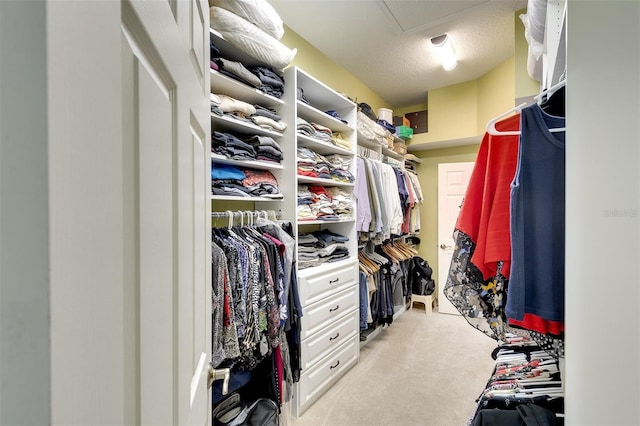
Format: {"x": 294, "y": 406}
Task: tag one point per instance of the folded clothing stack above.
{"x": 313, "y": 130}
{"x": 237, "y": 71}
{"x": 339, "y": 140}
{"x": 316, "y": 202}
{"x": 238, "y": 147}
{"x": 231, "y": 146}
{"x": 334, "y": 166}
{"x": 239, "y": 110}
{"x": 325, "y": 246}
{"x": 271, "y": 82}
{"x": 267, "y": 149}
{"x": 322, "y": 132}
{"x": 233, "y": 181}
{"x": 304, "y": 127}
{"x": 263, "y": 77}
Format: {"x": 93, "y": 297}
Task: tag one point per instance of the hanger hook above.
{"x": 230, "y": 213}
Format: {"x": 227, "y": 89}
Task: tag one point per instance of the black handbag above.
{"x": 421, "y": 281}
{"x": 233, "y": 412}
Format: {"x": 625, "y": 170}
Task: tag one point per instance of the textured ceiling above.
{"x": 386, "y": 43}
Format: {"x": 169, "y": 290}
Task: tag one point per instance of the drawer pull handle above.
{"x": 335, "y": 365}
{"x": 334, "y": 309}
{"x": 334, "y": 281}
{"x": 335, "y": 337}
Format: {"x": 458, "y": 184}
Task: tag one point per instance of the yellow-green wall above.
{"x": 452, "y": 113}
{"x": 462, "y": 110}
{"x": 496, "y": 93}
{"x": 428, "y": 176}
{"x": 318, "y": 65}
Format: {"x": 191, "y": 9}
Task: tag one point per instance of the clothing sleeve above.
{"x": 394, "y": 209}
{"x": 361, "y": 193}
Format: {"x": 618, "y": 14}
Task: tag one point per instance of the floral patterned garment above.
{"x": 482, "y": 302}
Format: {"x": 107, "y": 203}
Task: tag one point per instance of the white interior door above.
{"x": 167, "y": 173}
{"x": 453, "y": 179}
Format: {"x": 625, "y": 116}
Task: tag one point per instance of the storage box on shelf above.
{"x": 401, "y": 121}
{"x": 328, "y": 292}
{"x": 404, "y": 132}
{"x": 418, "y": 120}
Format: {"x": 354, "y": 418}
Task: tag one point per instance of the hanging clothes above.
{"x": 536, "y": 288}
{"x": 384, "y": 283}
{"x": 361, "y": 194}
{"x": 387, "y": 198}
{"x": 480, "y": 266}
{"x": 414, "y": 215}
{"x": 525, "y": 387}
{"x": 480, "y": 283}
{"x": 256, "y": 307}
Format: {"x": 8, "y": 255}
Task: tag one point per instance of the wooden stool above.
{"x": 426, "y": 300}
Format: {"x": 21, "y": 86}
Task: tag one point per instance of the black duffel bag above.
{"x": 421, "y": 281}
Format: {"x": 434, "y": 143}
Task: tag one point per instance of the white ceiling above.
{"x": 386, "y": 43}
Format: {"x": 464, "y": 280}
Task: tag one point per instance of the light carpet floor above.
{"x": 422, "y": 370}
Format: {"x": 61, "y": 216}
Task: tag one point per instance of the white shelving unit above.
{"x": 321, "y": 181}
{"x": 259, "y": 165}
{"x": 221, "y": 84}
{"x": 329, "y": 292}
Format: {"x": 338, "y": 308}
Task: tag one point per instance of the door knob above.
{"x": 444, "y": 246}
{"x": 219, "y": 374}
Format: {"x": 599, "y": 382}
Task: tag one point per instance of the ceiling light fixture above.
{"x": 446, "y": 52}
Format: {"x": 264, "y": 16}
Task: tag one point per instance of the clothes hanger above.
{"x": 411, "y": 251}
{"x": 365, "y": 265}
{"x": 555, "y": 103}
{"x": 374, "y": 256}
{"x": 491, "y": 125}
{"x": 403, "y": 248}
{"x": 549, "y": 91}
{"x": 552, "y": 100}
{"x": 364, "y": 258}
{"x": 234, "y": 229}
{"x": 250, "y": 230}
{"x": 223, "y": 233}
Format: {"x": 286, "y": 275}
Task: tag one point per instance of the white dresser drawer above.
{"x": 321, "y": 314}
{"x": 322, "y": 343}
{"x": 315, "y": 381}
{"x": 314, "y": 284}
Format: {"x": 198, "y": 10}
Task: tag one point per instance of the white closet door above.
{"x": 167, "y": 151}
{"x": 128, "y": 178}
{"x": 453, "y": 179}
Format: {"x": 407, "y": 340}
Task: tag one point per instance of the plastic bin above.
{"x": 404, "y": 132}
{"x": 386, "y": 115}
